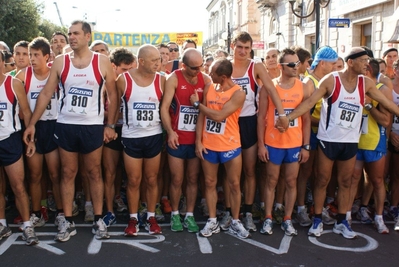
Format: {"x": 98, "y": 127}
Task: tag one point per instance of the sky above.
{"x": 128, "y": 16}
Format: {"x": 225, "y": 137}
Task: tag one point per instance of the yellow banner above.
{"x": 138, "y": 39}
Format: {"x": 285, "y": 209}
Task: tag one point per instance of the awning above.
{"x": 395, "y": 35}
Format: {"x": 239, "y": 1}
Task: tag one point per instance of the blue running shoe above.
{"x": 109, "y": 219}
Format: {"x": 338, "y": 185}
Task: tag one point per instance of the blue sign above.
{"x": 339, "y": 23}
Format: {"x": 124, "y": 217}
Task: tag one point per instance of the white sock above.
{"x": 176, "y": 212}
{"x": 301, "y": 208}
{"x": 234, "y": 221}
{"x": 133, "y": 215}
{"x": 278, "y": 206}
{"x": 88, "y": 203}
{"x": 188, "y": 214}
{"x": 150, "y": 214}
{"x": 26, "y": 224}
{"x": 348, "y": 215}
{"x": 262, "y": 204}
{"x": 3, "y": 222}
{"x": 377, "y": 217}
{"x": 212, "y": 220}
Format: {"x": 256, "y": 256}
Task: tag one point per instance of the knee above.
{"x": 321, "y": 182}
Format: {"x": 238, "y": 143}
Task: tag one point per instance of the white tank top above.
{"x": 141, "y": 108}
{"x": 9, "y": 109}
{"x": 33, "y": 86}
{"x": 341, "y": 113}
{"x": 82, "y": 99}
{"x": 250, "y": 86}
{"x": 395, "y": 123}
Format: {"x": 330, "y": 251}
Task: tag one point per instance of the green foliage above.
{"x": 21, "y": 20}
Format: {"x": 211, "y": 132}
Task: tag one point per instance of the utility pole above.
{"x": 59, "y": 14}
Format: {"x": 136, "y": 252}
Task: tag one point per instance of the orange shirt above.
{"x": 292, "y": 137}
{"x": 225, "y": 135}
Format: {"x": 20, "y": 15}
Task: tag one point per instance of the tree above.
{"x": 19, "y": 20}
{"x": 47, "y": 28}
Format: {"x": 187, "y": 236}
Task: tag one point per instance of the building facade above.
{"x": 343, "y": 24}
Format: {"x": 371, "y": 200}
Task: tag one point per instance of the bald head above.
{"x": 191, "y": 55}
{"x": 146, "y": 50}
{"x": 355, "y": 53}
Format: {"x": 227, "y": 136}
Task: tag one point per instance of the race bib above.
{"x": 144, "y": 114}
{"x": 187, "y": 118}
{"x": 395, "y": 123}
{"x": 3, "y": 115}
{"x": 292, "y": 124}
{"x": 365, "y": 124}
{"x": 215, "y": 127}
{"x": 78, "y": 100}
{"x": 347, "y": 115}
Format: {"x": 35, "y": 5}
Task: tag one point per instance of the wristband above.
{"x": 112, "y": 126}
{"x": 282, "y": 115}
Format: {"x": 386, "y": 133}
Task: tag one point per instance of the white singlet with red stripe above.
{"x": 33, "y": 86}
{"x": 341, "y": 113}
{"x": 82, "y": 99}
{"x": 141, "y": 108}
{"x": 9, "y": 109}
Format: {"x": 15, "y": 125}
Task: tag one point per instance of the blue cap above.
{"x": 325, "y": 53}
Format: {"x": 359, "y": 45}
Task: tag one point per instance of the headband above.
{"x": 356, "y": 55}
{"x": 389, "y": 50}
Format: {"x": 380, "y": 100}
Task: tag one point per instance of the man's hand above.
{"x": 303, "y": 156}
{"x": 263, "y": 154}
{"x": 109, "y": 135}
{"x": 30, "y": 149}
{"x": 282, "y": 124}
{"x": 199, "y": 150}
{"x": 29, "y": 135}
{"x": 194, "y": 98}
{"x": 173, "y": 140}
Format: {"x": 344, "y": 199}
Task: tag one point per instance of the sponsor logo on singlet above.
{"x": 186, "y": 109}
{"x": 139, "y": 105}
{"x": 3, "y": 106}
{"x": 348, "y": 106}
{"x": 241, "y": 81}
{"x": 81, "y": 91}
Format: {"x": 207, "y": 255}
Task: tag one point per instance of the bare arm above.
{"x": 306, "y": 124}
{"x": 261, "y": 126}
{"x": 379, "y": 113}
{"x": 170, "y": 89}
{"x": 375, "y": 94}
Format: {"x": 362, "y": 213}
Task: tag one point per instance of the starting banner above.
{"x": 138, "y": 39}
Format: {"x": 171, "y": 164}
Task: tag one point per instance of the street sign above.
{"x": 339, "y": 23}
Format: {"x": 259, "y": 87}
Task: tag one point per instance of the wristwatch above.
{"x": 196, "y": 104}
{"x": 368, "y": 106}
{"x": 306, "y": 147}
{"x": 112, "y": 126}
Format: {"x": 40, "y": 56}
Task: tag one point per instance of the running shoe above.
{"x": 344, "y": 229}
{"x": 51, "y": 202}
{"x": 325, "y": 215}
{"x": 190, "y": 224}
{"x": 288, "y": 228}
{"x": 99, "y": 229}
{"x": 267, "y": 227}
{"x": 5, "y": 231}
{"x": 75, "y": 209}
{"x": 183, "y": 206}
{"x": 225, "y": 221}
{"x": 132, "y": 227}
{"x": 80, "y": 200}
{"x": 303, "y": 218}
{"x": 109, "y": 219}
{"x": 256, "y": 211}
{"x": 317, "y": 227}
{"x": 89, "y": 213}
{"x": 18, "y": 219}
{"x": 158, "y": 213}
{"x": 238, "y": 229}
{"x": 210, "y": 228}
{"x": 278, "y": 215}
{"x": 204, "y": 209}
{"x": 44, "y": 212}
{"x": 119, "y": 204}
{"x": 363, "y": 215}
{"x": 152, "y": 226}
{"x": 36, "y": 221}
{"x": 175, "y": 223}
{"x": 165, "y": 205}
{"x": 380, "y": 225}
{"x": 59, "y": 218}
{"x": 248, "y": 222}
{"x": 332, "y": 209}
{"x": 29, "y": 236}
{"x": 65, "y": 230}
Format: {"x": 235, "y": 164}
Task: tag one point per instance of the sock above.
{"x": 26, "y": 224}
{"x": 68, "y": 218}
{"x": 88, "y": 203}
{"x": 300, "y": 208}
{"x": 262, "y": 205}
{"x": 97, "y": 217}
{"x": 341, "y": 217}
{"x": 212, "y": 220}
{"x": 37, "y": 213}
{"x": 269, "y": 216}
{"x": 176, "y": 212}
{"x": 287, "y": 218}
{"x": 234, "y": 221}
{"x": 188, "y": 214}
{"x": 329, "y": 200}
{"x": 348, "y": 215}
{"x": 133, "y": 215}
{"x": 278, "y": 206}
{"x": 318, "y": 216}
{"x": 247, "y": 208}
{"x": 150, "y": 214}
{"x": 3, "y": 222}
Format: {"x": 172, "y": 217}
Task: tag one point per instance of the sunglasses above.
{"x": 173, "y": 49}
{"x": 12, "y": 64}
{"x": 292, "y": 64}
{"x": 194, "y": 68}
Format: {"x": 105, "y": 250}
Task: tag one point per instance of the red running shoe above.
{"x": 152, "y": 226}
{"x": 43, "y": 211}
{"x": 166, "y": 205}
{"x": 132, "y": 227}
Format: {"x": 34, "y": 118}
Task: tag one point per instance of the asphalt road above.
{"x": 188, "y": 249}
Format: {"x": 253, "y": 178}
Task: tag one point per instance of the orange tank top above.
{"x": 290, "y": 98}
{"x": 225, "y": 135}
